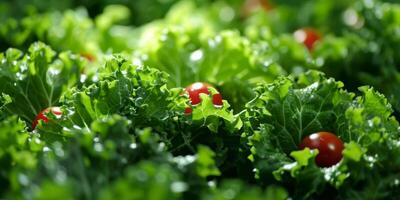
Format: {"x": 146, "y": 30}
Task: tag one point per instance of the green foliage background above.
{"x": 117, "y": 69}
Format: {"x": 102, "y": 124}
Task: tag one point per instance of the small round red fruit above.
{"x": 217, "y": 100}
{"x": 307, "y": 36}
{"x": 188, "y": 110}
{"x": 194, "y": 90}
{"x": 330, "y": 148}
{"x": 42, "y": 115}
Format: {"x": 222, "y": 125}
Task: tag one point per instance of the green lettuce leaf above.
{"x": 109, "y": 156}
{"x": 141, "y": 95}
{"x": 137, "y": 92}
{"x": 286, "y": 111}
{"x": 88, "y": 160}
{"x": 18, "y": 154}
{"x": 36, "y": 80}
{"x": 226, "y": 60}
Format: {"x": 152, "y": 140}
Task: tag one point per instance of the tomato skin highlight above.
{"x": 194, "y": 90}
{"x": 330, "y": 148}
{"x": 42, "y": 115}
{"x": 307, "y": 36}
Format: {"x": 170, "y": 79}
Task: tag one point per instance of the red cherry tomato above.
{"x": 217, "y": 100}
{"x": 42, "y": 115}
{"x": 330, "y": 147}
{"x": 307, "y": 36}
{"x": 194, "y": 90}
{"x": 188, "y": 110}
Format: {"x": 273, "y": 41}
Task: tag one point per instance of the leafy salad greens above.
{"x": 96, "y": 99}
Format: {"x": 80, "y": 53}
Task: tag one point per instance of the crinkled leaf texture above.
{"x": 212, "y": 116}
{"x": 142, "y": 95}
{"x": 138, "y": 92}
{"x": 36, "y": 80}
{"x": 19, "y": 152}
{"x": 286, "y": 111}
{"x": 227, "y": 60}
{"x": 109, "y": 156}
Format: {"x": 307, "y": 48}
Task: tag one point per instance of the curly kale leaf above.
{"x": 289, "y": 109}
